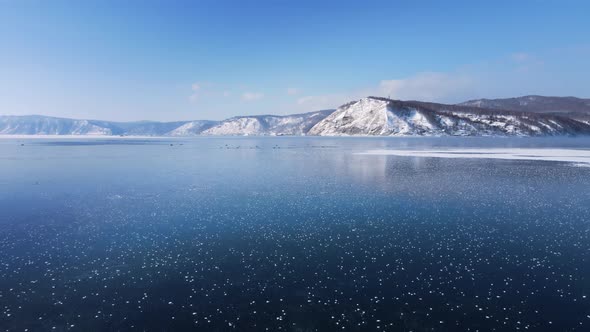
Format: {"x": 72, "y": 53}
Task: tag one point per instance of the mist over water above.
{"x": 290, "y": 234}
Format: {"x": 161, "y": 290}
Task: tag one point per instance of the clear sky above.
{"x": 181, "y": 60}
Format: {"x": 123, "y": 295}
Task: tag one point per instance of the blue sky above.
{"x": 179, "y": 60}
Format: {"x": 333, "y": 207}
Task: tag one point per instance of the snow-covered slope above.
{"x": 372, "y": 116}
{"x": 297, "y": 124}
{"x": 192, "y": 128}
{"x": 385, "y": 117}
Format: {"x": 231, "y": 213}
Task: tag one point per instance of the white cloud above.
{"x": 252, "y": 96}
{"x": 307, "y": 99}
{"x": 428, "y": 86}
{"x": 526, "y": 62}
{"x": 518, "y": 74}
{"x": 435, "y": 87}
{"x": 195, "y": 87}
{"x": 520, "y": 56}
{"x": 205, "y": 90}
{"x": 327, "y": 101}
{"x": 512, "y": 74}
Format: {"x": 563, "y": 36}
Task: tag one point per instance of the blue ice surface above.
{"x": 291, "y": 234}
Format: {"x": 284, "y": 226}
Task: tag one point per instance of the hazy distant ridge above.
{"x": 534, "y": 103}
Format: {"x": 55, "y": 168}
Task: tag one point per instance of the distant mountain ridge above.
{"x": 296, "y": 124}
{"x": 371, "y": 116}
{"x": 535, "y": 104}
{"x": 46, "y": 125}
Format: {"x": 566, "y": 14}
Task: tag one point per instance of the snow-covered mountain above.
{"x": 297, "y": 124}
{"x": 368, "y": 116}
{"x": 385, "y": 117}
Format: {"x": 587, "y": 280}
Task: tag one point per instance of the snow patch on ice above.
{"x": 578, "y": 157}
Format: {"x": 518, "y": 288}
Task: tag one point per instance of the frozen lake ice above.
{"x": 294, "y": 234}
